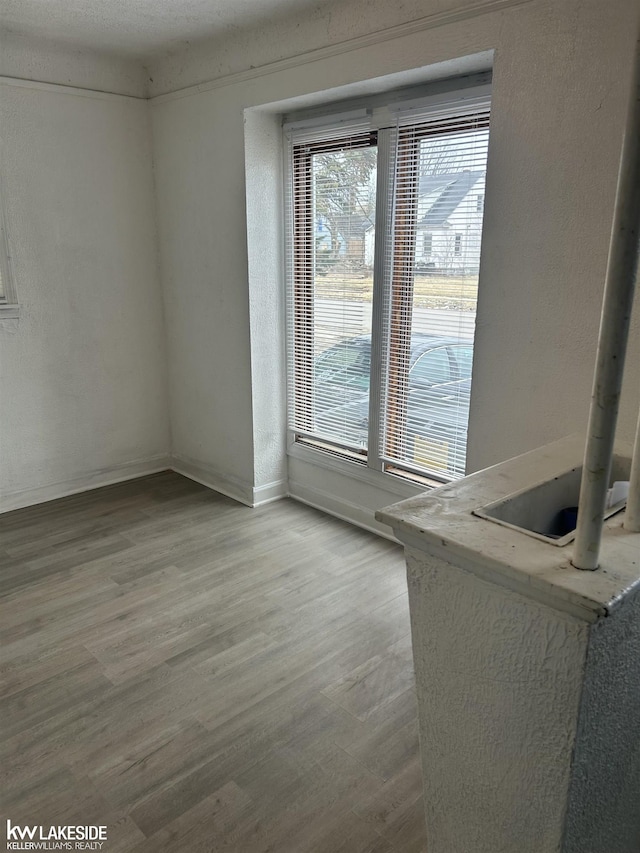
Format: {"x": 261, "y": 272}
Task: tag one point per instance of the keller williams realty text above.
{"x": 55, "y": 837}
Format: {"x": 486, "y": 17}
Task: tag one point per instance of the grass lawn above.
{"x": 429, "y": 291}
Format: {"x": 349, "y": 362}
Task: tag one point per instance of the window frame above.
{"x": 372, "y": 466}
{"x": 9, "y": 306}
{"x": 301, "y": 171}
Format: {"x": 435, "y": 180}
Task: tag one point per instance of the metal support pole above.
{"x": 612, "y": 342}
{"x": 632, "y": 515}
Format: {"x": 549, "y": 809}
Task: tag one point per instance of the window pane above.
{"x": 434, "y": 281}
{"x": 429, "y": 225}
{"x": 430, "y": 368}
{"x": 464, "y": 360}
{"x": 333, "y": 259}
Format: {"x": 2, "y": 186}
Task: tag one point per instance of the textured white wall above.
{"x": 560, "y": 87}
{"x": 527, "y": 672}
{"x": 199, "y": 171}
{"x": 265, "y": 244}
{"x": 280, "y": 37}
{"x": 83, "y": 370}
{"x": 499, "y": 680}
{"x": 45, "y": 61}
{"x": 603, "y": 813}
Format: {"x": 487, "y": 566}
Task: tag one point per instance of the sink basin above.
{"x": 547, "y": 511}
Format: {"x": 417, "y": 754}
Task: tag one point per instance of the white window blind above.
{"x": 431, "y": 296}
{"x": 383, "y": 257}
{"x": 7, "y": 293}
{"x": 330, "y": 266}
{"x": 3, "y": 261}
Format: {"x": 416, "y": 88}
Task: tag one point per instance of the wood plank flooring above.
{"x": 200, "y": 676}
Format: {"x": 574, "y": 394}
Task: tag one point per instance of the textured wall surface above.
{"x": 265, "y": 244}
{"x": 559, "y": 68}
{"x": 83, "y": 370}
{"x": 561, "y": 86}
{"x": 47, "y": 61}
{"x": 499, "y": 679}
{"x": 199, "y": 171}
{"x": 604, "y": 803}
{"x": 281, "y": 36}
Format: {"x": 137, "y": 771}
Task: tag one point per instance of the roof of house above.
{"x": 453, "y": 187}
{"x": 449, "y": 190}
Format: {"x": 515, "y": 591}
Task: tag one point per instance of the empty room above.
{"x": 312, "y": 313}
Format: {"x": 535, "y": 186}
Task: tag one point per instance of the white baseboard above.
{"x": 241, "y": 492}
{"x": 212, "y": 479}
{"x": 270, "y": 492}
{"x": 235, "y": 489}
{"x": 354, "y": 514}
{"x": 93, "y": 480}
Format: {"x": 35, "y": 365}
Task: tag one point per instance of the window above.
{"x": 333, "y": 213}
{"x": 463, "y": 356}
{"x": 431, "y": 368}
{"x": 382, "y": 265}
{"x": 8, "y": 306}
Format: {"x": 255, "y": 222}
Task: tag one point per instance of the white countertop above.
{"x": 441, "y": 522}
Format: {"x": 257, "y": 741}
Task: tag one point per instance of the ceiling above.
{"x": 141, "y": 28}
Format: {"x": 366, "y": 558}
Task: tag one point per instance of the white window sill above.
{"x": 9, "y": 311}
{"x": 403, "y": 488}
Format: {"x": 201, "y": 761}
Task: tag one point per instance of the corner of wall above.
{"x": 264, "y": 188}
{"x": 42, "y": 61}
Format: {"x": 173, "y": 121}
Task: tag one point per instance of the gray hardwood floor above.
{"x": 200, "y": 676}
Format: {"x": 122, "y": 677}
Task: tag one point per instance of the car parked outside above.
{"x": 437, "y": 412}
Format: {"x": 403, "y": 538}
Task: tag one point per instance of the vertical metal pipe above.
{"x": 612, "y": 343}
{"x": 632, "y": 515}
